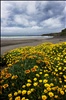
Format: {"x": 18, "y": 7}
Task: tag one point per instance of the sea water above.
{"x": 24, "y": 37}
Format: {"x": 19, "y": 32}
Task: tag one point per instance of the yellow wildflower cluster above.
{"x": 34, "y": 73}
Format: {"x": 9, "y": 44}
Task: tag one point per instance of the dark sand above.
{"x": 7, "y": 45}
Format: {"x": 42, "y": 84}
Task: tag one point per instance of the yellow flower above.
{"x": 56, "y": 74}
{"x": 17, "y": 98}
{"x": 28, "y": 92}
{"x": 23, "y": 92}
{"x": 65, "y": 68}
{"x": 60, "y": 73}
{"x": 19, "y": 91}
{"x": 28, "y": 84}
{"x": 56, "y": 96}
{"x": 9, "y": 65}
{"x": 51, "y": 94}
{"x": 45, "y": 91}
{"x": 59, "y": 89}
{"x": 64, "y": 80}
{"x": 35, "y": 83}
{"x": 64, "y": 86}
{"x": 64, "y": 61}
{"x": 23, "y": 98}
{"x": 45, "y": 81}
{"x": 23, "y": 86}
{"x": 15, "y": 93}
{"x": 40, "y": 81}
{"x": 56, "y": 70}
{"x": 62, "y": 92}
{"x": 44, "y": 97}
{"x": 35, "y": 66}
{"x": 64, "y": 76}
{"x": 51, "y": 84}
{"x": 46, "y": 75}
{"x": 40, "y": 72}
{"x": 48, "y": 89}
{"x": 37, "y": 75}
{"x": 5, "y": 86}
{"x": 8, "y": 75}
{"x": 32, "y": 89}
{"x": 14, "y": 77}
{"x": 33, "y": 69}
{"x": 60, "y": 81}
{"x": 27, "y": 71}
{"x": 10, "y": 95}
{"x": 29, "y": 80}
{"x": 59, "y": 68}
{"x": 54, "y": 88}
{"x": 35, "y": 79}
{"x": 10, "y": 99}
{"x": 46, "y": 85}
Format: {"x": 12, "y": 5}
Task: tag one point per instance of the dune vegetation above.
{"x": 34, "y": 73}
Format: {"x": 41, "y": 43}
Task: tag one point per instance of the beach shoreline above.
{"x": 7, "y": 45}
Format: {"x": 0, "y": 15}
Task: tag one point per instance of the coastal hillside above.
{"x": 62, "y": 33}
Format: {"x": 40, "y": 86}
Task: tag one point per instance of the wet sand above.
{"x": 7, "y": 45}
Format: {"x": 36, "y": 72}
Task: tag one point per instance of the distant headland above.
{"x": 57, "y": 34}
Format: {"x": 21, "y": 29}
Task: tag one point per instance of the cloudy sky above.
{"x": 32, "y": 17}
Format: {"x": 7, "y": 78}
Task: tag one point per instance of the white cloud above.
{"x": 31, "y": 7}
{"x": 20, "y": 31}
{"x": 21, "y": 20}
{"x": 6, "y": 9}
{"x": 36, "y": 27}
{"x": 52, "y": 22}
{"x": 33, "y": 23}
{"x": 24, "y": 20}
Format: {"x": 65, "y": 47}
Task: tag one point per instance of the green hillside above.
{"x": 62, "y": 33}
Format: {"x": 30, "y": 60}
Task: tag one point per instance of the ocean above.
{"x": 24, "y": 37}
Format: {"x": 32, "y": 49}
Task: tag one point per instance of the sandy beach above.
{"x": 7, "y": 45}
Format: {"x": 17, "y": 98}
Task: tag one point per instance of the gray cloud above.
{"x": 32, "y": 17}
